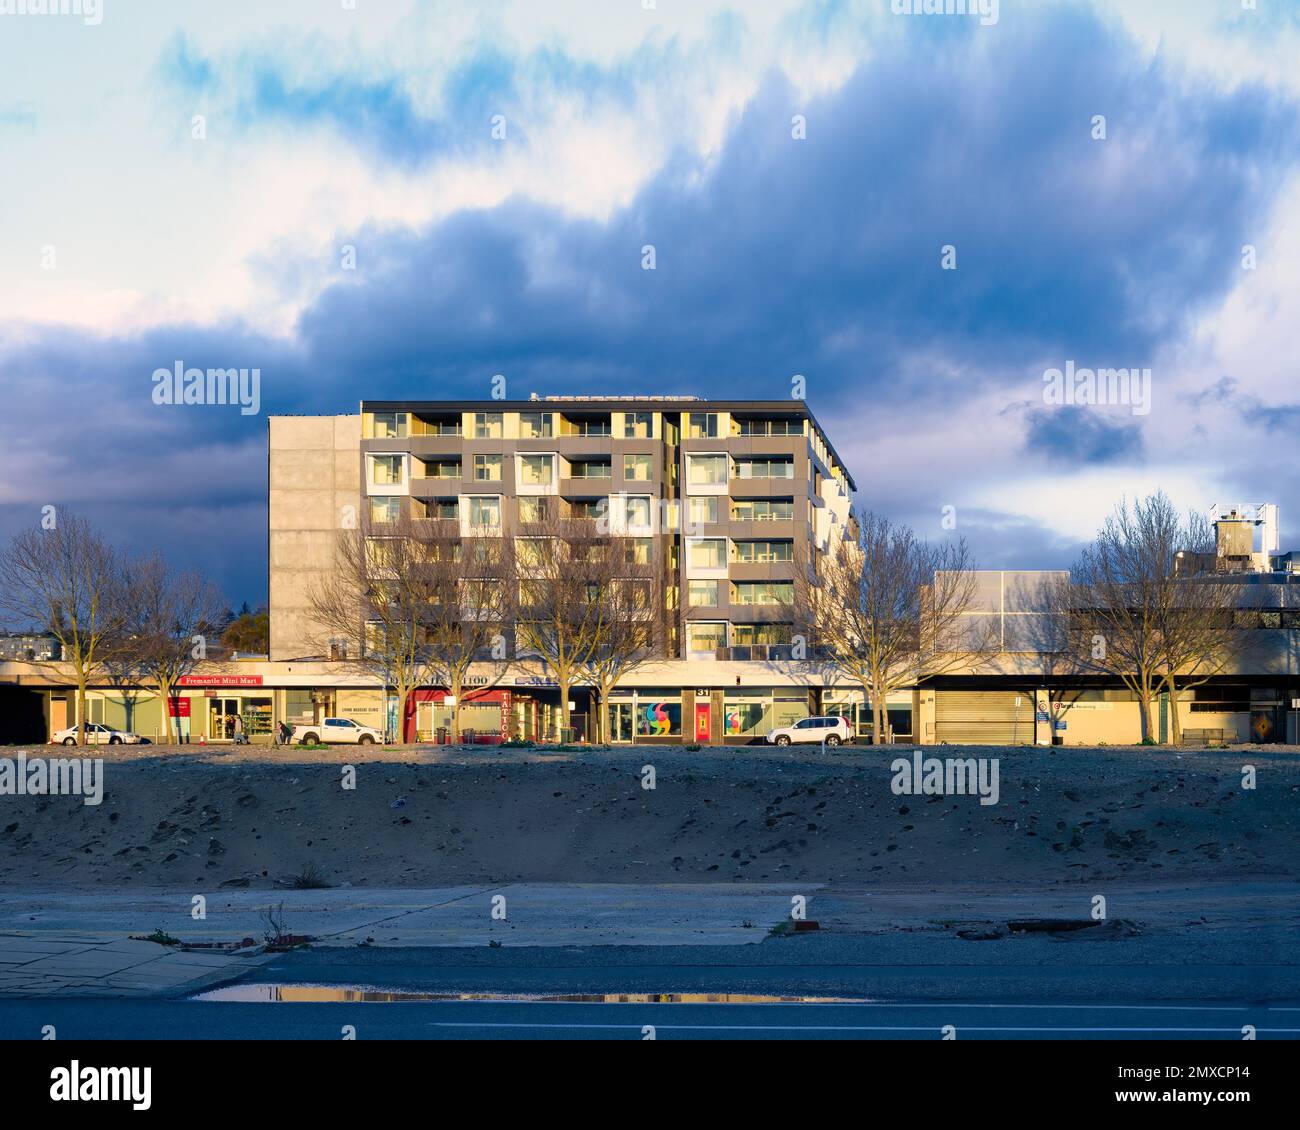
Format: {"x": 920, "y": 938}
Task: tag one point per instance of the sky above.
{"x": 921, "y": 215}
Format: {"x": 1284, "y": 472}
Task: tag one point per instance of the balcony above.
{"x": 586, "y": 426}
{"x": 428, "y": 425}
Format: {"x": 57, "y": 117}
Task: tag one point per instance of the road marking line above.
{"x": 826, "y": 1028}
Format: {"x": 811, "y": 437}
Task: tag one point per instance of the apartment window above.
{"x": 763, "y": 592}
{"x": 388, "y": 425}
{"x": 638, "y": 425}
{"x": 591, "y": 469}
{"x": 487, "y": 468}
{"x": 590, "y": 508}
{"x": 442, "y": 469}
{"x": 763, "y": 510}
{"x": 636, "y": 551}
{"x": 633, "y": 510}
{"x": 702, "y": 425}
{"x": 536, "y": 470}
{"x": 386, "y": 470}
{"x": 534, "y": 425}
{"x": 531, "y": 551}
{"x": 385, "y": 509}
{"x": 706, "y": 470}
{"x": 705, "y": 637}
{"x": 702, "y": 509}
{"x": 764, "y": 552}
{"x": 485, "y": 512}
{"x": 442, "y": 509}
{"x": 707, "y": 553}
{"x": 381, "y": 553}
{"x": 702, "y": 594}
{"x": 639, "y": 468}
{"x": 533, "y": 510}
{"x": 765, "y": 469}
{"x": 488, "y": 425}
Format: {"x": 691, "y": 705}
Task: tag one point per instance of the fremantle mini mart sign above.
{"x": 219, "y": 681}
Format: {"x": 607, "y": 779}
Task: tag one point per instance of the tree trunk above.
{"x": 83, "y": 732}
{"x": 1144, "y": 711}
{"x": 403, "y": 693}
{"x": 564, "y": 708}
{"x": 1175, "y": 724}
{"x": 165, "y": 689}
{"x": 879, "y": 737}
{"x": 454, "y": 687}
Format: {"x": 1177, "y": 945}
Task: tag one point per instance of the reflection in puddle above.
{"x": 351, "y": 994}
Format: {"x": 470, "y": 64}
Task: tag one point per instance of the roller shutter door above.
{"x": 983, "y": 717}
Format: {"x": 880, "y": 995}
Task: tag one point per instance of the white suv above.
{"x": 831, "y": 729}
{"x": 96, "y": 735}
{"x": 333, "y": 730}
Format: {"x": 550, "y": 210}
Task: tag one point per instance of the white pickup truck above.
{"x": 331, "y": 730}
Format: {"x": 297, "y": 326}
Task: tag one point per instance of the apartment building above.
{"x": 725, "y": 498}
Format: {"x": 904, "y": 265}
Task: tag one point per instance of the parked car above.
{"x": 96, "y": 735}
{"x": 331, "y": 730}
{"x": 831, "y": 729}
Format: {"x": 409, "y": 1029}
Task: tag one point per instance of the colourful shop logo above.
{"x": 657, "y": 722}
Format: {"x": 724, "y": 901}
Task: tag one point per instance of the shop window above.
{"x": 658, "y": 716}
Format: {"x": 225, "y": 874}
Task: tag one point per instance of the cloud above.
{"x": 774, "y": 257}
{"x": 1081, "y": 435}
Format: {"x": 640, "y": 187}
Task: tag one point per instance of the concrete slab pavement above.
{"x": 526, "y": 914}
{"x": 72, "y": 966}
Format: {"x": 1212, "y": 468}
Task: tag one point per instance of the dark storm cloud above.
{"x": 1080, "y": 435}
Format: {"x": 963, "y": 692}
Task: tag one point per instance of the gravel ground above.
{"x": 204, "y": 817}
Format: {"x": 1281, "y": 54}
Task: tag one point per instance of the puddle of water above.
{"x": 351, "y": 994}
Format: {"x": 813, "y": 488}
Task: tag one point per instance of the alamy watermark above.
{"x": 90, "y": 11}
{"x": 951, "y": 776}
{"x": 55, "y": 776}
{"x": 179, "y": 385}
{"x": 986, "y": 10}
{"x": 1072, "y": 385}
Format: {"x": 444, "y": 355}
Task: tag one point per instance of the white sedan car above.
{"x": 96, "y": 735}
{"x": 831, "y": 729}
{"x": 341, "y": 730}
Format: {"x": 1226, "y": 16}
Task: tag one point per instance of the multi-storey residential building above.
{"x": 726, "y": 498}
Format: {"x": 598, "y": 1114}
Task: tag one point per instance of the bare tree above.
{"x": 1199, "y": 625}
{"x": 414, "y": 602}
{"x": 467, "y": 586}
{"x": 66, "y": 580}
{"x": 887, "y": 610}
{"x": 172, "y": 619}
{"x": 560, "y": 617}
{"x": 367, "y": 611}
{"x": 628, "y": 599}
{"x": 1122, "y": 599}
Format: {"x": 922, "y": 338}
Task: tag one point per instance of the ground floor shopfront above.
{"x": 738, "y": 705}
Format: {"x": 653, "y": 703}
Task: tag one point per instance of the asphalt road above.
{"x": 497, "y": 1020}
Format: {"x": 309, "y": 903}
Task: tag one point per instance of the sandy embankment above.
{"x": 201, "y": 819}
